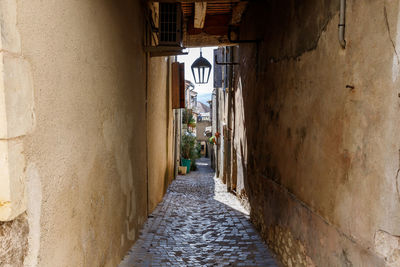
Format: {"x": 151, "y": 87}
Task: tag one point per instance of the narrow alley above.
{"x": 199, "y": 223}
{"x": 199, "y": 133}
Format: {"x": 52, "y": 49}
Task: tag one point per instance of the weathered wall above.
{"x": 239, "y": 143}
{"x": 16, "y": 121}
{"x": 200, "y": 128}
{"x": 13, "y": 241}
{"x": 84, "y": 158}
{"x": 160, "y": 130}
{"x": 322, "y": 130}
{"x": 221, "y": 117}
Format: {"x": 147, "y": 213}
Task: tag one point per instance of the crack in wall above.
{"x": 300, "y": 82}
{"x": 345, "y": 258}
{"x": 387, "y": 245}
{"x": 351, "y": 238}
{"x": 397, "y": 179}
{"x": 313, "y": 47}
{"x": 388, "y": 30}
{"x": 397, "y": 184}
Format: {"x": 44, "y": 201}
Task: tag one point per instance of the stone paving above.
{"x": 199, "y": 224}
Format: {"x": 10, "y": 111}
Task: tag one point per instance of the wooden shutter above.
{"x": 178, "y": 85}
{"x": 182, "y": 84}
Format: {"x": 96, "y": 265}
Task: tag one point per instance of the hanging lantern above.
{"x": 201, "y": 70}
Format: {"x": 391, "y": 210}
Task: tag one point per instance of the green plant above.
{"x": 212, "y": 140}
{"x": 198, "y": 150}
{"x": 192, "y": 122}
{"x": 188, "y": 143}
{"x": 193, "y": 166}
{"x": 187, "y": 118}
{"x": 190, "y": 149}
{"x": 196, "y": 153}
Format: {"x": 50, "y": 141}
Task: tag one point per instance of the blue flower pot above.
{"x": 186, "y": 162}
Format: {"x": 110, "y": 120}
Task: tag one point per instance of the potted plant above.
{"x": 192, "y": 123}
{"x": 196, "y": 153}
{"x": 212, "y": 140}
{"x": 188, "y": 118}
{"x": 188, "y": 150}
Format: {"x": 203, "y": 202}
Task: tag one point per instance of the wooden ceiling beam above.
{"x": 200, "y": 9}
{"x": 237, "y": 12}
{"x": 195, "y": 1}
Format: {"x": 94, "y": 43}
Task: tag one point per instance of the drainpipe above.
{"x": 177, "y": 121}
{"x": 229, "y": 123}
{"x": 218, "y": 118}
{"x": 342, "y": 23}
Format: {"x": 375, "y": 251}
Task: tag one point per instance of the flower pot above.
{"x": 186, "y": 162}
{"x": 182, "y": 170}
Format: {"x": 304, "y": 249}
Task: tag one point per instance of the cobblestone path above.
{"x": 199, "y": 224}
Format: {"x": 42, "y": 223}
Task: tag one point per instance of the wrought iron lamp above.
{"x": 201, "y": 70}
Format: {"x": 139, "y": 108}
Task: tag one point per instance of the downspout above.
{"x": 217, "y": 129}
{"x": 147, "y": 40}
{"x": 229, "y": 124}
{"x": 177, "y": 121}
{"x": 342, "y": 23}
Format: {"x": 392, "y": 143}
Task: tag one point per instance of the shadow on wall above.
{"x": 309, "y": 139}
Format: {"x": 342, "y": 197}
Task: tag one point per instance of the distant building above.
{"x": 203, "y": 128}
{"x": 205, "y": 116}
{"x": 203, "y": 112}
{"x": 190, "y": 96}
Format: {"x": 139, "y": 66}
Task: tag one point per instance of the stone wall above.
{"x": 14, "y": 241}
{"x": 322, "y": 130}
{"x": 17, "y": 120}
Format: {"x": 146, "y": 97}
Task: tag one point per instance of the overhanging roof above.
{"x": 207, "y": 22}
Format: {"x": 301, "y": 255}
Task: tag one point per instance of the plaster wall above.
{"x": 84, "y": 154}
{"x": 322, "y": 130}
{"x": 239, "y": 143}
{"x": 200, "y": 128}
{"x": 160, "y": 130}
{"x": 221, "y": 117}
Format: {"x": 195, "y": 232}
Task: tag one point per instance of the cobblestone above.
{"x": 198, "y": 223}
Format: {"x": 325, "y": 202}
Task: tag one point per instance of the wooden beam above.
{"x": 204, "y": 40}
{"x": 163, "y": 48}
{"x": 155, "y": 11}
{"x": 194, "y": 1}
{"x": 237, "y": 12}
{"x": 200, "y": 9}
{"x": 162, "y": 51}
{"x": 167, "y": 53}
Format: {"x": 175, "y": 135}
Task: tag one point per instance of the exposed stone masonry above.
{"x": 13, "y": 241}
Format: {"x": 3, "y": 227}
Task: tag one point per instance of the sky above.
{"x": 204, "y": 90}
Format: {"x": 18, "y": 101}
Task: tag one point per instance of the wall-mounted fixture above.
{"x": 342, "y": 23}
{"x": 201, "y": 70}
